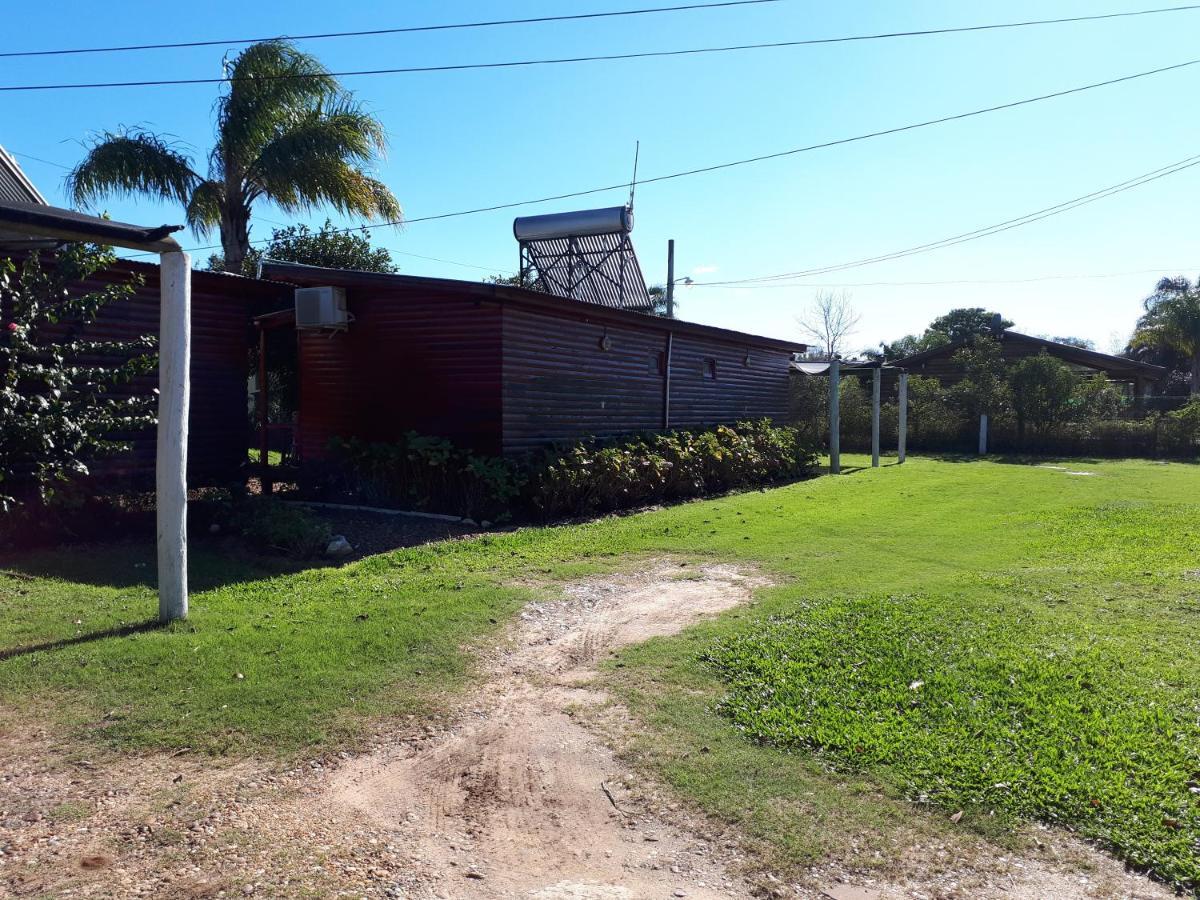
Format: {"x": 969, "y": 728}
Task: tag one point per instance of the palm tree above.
{"x": 1172, "y": 320}
{"x": 286, "y": 132}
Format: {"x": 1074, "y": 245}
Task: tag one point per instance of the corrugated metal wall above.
{"x": 713, "y": 381}
{"x": 560, "y": 384}
{"x": 413, "y": 359}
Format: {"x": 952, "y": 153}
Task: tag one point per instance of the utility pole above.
{"x": 671, "y": 279}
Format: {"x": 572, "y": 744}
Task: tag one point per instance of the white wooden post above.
{"x": 902, "y": 425}
{"x": 875, "y": 379}
{"x": 983, "y": 434}
{"x": 835, "y": 417}
{"x": 174, "y": 359}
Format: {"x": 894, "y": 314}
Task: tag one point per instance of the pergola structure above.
{"x": 834, "y": 369}
{"x": 29, "y": 226}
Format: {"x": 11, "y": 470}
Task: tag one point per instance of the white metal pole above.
{"x": 835, "y": 418}
{"x": 174, "y": 358}
{"x": 876, "y": 378}
{"x": 983, "y": 422}
{"x": 902, "y": 425}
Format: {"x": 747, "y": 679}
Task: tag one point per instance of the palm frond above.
{"x": 204, "y": 209}
{"x": 132, "y": 162}
{"x": 272, "y": 83}
{"x": 346, "y": 134}
{"x": 309, "y": 182}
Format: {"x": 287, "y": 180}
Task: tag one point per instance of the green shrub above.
{"x": 425, "y": 473}
{"x": 589, "y": 478}
{"x": 578, "y": 480}
{"x": 272, "y": 524}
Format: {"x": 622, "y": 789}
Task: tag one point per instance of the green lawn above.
{"x": 1008, "y": 640}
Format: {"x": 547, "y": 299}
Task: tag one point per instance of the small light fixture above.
{"x": 605, "y": 342}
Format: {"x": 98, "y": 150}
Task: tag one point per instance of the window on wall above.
{"x": 710, "y": 369}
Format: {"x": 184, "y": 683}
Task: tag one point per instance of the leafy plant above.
{"x": 592, "y": 477}
{"x": 272, "y": 524}
{"x": 65, "y": 400}
{"x": 427, "y": 473}
{"x": 1042, "y": 389}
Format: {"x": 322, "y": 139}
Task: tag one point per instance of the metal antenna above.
{"x": 637, "y": 149}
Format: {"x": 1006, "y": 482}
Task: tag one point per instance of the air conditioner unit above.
{"x": 321, "y": 307}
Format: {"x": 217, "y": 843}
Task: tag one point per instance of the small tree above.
{"x": 329, "y": 247}
{"x": 1043, "y": 389}
{"x": 967, "y": 322}
{"x": 983, "y": 389}
{"x": 61, "y": 398}
{"x": 830, "y": 320}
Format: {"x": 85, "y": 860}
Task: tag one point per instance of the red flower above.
{"x": 13, "y": 326}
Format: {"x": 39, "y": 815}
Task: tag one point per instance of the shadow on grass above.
{"x": 133, "y": 564}
{"x": 62, "y": 643}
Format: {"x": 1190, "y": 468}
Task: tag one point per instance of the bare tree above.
{"x": 829, "y": 321}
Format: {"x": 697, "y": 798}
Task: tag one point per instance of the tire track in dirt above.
{"x": 521, "y": 801}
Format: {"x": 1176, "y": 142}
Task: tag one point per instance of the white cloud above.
{"x": 704, "y": 270}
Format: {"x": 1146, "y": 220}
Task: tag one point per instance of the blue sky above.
{"x": 468, "y": 139}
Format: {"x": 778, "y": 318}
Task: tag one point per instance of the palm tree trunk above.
{"x": 235, "y": 235}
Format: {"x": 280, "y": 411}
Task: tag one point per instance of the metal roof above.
{"x": 15, "y": 186}
{"x": 23, "y": 225}
{"x": 308, "y": 276}
{"x": 820, "y": 367}
{"x": 1092, "y": 359}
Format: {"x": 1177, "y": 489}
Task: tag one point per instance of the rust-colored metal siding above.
{"x": 222, "y": 306}
{"x": 504, "y": 369}
{"x": 414, "y": 359}
{"x": 561, "y": 384}
{"x": 714, "y": 381}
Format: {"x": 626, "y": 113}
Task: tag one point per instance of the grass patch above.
{"x": 1052, "y": 620}
{"x": 269, "y": 662}
{"x": 1003, "y": 640}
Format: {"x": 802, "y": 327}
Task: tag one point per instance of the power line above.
{"x": 756, "y": 159}
{"x": 48, "y": 162}
{"x": 978, "y": 233}
{"x": 951, "y": 282}
{"x": 412, "y": 29}
{"x": 610, "y": 57}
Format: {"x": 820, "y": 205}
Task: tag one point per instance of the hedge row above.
{"x": 432, "y": 474}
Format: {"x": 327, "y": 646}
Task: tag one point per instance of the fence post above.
{"x": 983, "y": 426}
{"x": 174, "y": 359}
{"x": 902, "y": 425}
{"x": 835, "y": 417}
{"x": 875, "y": 380}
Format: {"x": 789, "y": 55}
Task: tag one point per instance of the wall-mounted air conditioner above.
{"x": 321, "y": 307}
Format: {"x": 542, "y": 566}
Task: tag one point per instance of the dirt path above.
{"x": 513, "y": 798}
{"x": 520, "y": 800}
